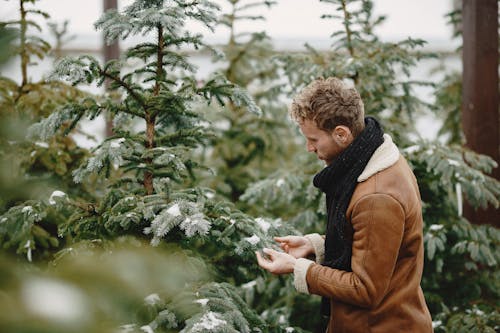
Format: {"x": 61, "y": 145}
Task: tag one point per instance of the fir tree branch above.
{"x": 187, "y": 137}
{"x": 239, "y": 55}
{"x": 86, "y": 207}
{"x": 127, "y": 110}
{"x": 126, "y": 86}
{"x": 114, "y": 108}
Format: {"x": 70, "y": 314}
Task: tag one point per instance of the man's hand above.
{"x": 296, "y": 246}
{"x": 278, "y": 262}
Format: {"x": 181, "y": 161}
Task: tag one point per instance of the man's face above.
{"x": 324, "y": 144}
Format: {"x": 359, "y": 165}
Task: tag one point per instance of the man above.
{"x": 369, "y": 264}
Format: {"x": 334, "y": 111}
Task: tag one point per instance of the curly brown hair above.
{"x": 329, "y": 103}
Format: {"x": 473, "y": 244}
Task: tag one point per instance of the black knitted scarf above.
{"x": 338, "y": 181}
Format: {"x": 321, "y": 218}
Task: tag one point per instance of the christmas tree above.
{"x": 30, "y": 170}
{"x": 146, "y": 170}
{"x": 459, "y": 255}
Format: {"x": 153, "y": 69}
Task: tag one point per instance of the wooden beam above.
{"x": 480, "y": 95}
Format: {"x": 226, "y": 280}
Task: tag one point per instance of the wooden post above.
{"x": 480, "y": 95}
{"x": 110, "y": 52}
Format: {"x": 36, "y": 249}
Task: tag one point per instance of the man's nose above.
{"x": 310, "y": 148}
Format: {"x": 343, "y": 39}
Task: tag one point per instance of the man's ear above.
{"x": 342, "y": 135}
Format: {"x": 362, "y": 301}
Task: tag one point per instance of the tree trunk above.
{"x": 110, "y": 52}
{"x": 480, "y": 112}
{"x": 24, "y": 52}
{"x": 150, "y": 116}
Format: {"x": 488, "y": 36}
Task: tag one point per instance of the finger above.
{"x": 260, "y": 260}
{"x": 283, "y": 245}
{"x": 271, "y": 253}
{"x": 283, "y": 239}
{"x": 264, "y": 263}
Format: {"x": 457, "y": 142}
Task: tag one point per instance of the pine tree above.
{"x": 31, "y": 170}
{"x": 246, "y": 145}
{"x": 462, "y": 257}
{"x": 147, "y": 168}
{"x": 459, "y": 256}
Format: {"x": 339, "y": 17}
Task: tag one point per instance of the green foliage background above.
{"x": 155, "y": 229}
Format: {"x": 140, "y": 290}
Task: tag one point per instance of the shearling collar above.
{"x": 385, "y": 156}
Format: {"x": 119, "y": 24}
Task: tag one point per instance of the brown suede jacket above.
{"x": 382, "y": 294}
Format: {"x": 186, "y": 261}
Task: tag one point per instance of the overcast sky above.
{"x": 295, "y": 19}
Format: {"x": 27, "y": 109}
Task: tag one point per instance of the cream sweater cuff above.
{"x": 318, "y": 243}
{"x": 300, "y": 273}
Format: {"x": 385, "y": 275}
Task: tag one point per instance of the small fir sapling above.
{"x": 146, "y": 170}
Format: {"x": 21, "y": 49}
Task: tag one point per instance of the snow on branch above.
{"x": 188, "y": 216}
{"x": 82, "y": 69}
{"x": 111, "y": 151}
{"x": 48, "y": 127}
{"x": 141, "y": 18}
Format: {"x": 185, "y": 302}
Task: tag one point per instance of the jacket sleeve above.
{"x": 378, "y": 223}
{"x": 318, "y": 244}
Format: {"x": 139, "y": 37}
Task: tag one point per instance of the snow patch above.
{"x": 127, "y": 328}
{"x": 117, "y": 143}
{"x": 478, "y": 312}
{"x": 27, "y": 209}
{"x": 202, "y": 301}
{"x": 458, "y": 190}
{"x": 28, "y": 246}
{"x": 252, "y": 240}
{"x": 263, "y": 224}
{"x": 249, "y": 285}
{"x": 436, "y": 227}
{"x": 56, "y": 194}
{"x": 42, "y": 144}
{"x": 195, "y": 224}
{"x": 174, "y": 210}
{"x": 147, "y": 329}
{"x": 209, "y": 321}
{"x": 412, "y": 149}
{"x": 55, "y": 300}
{"x": 152, "y": 299}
